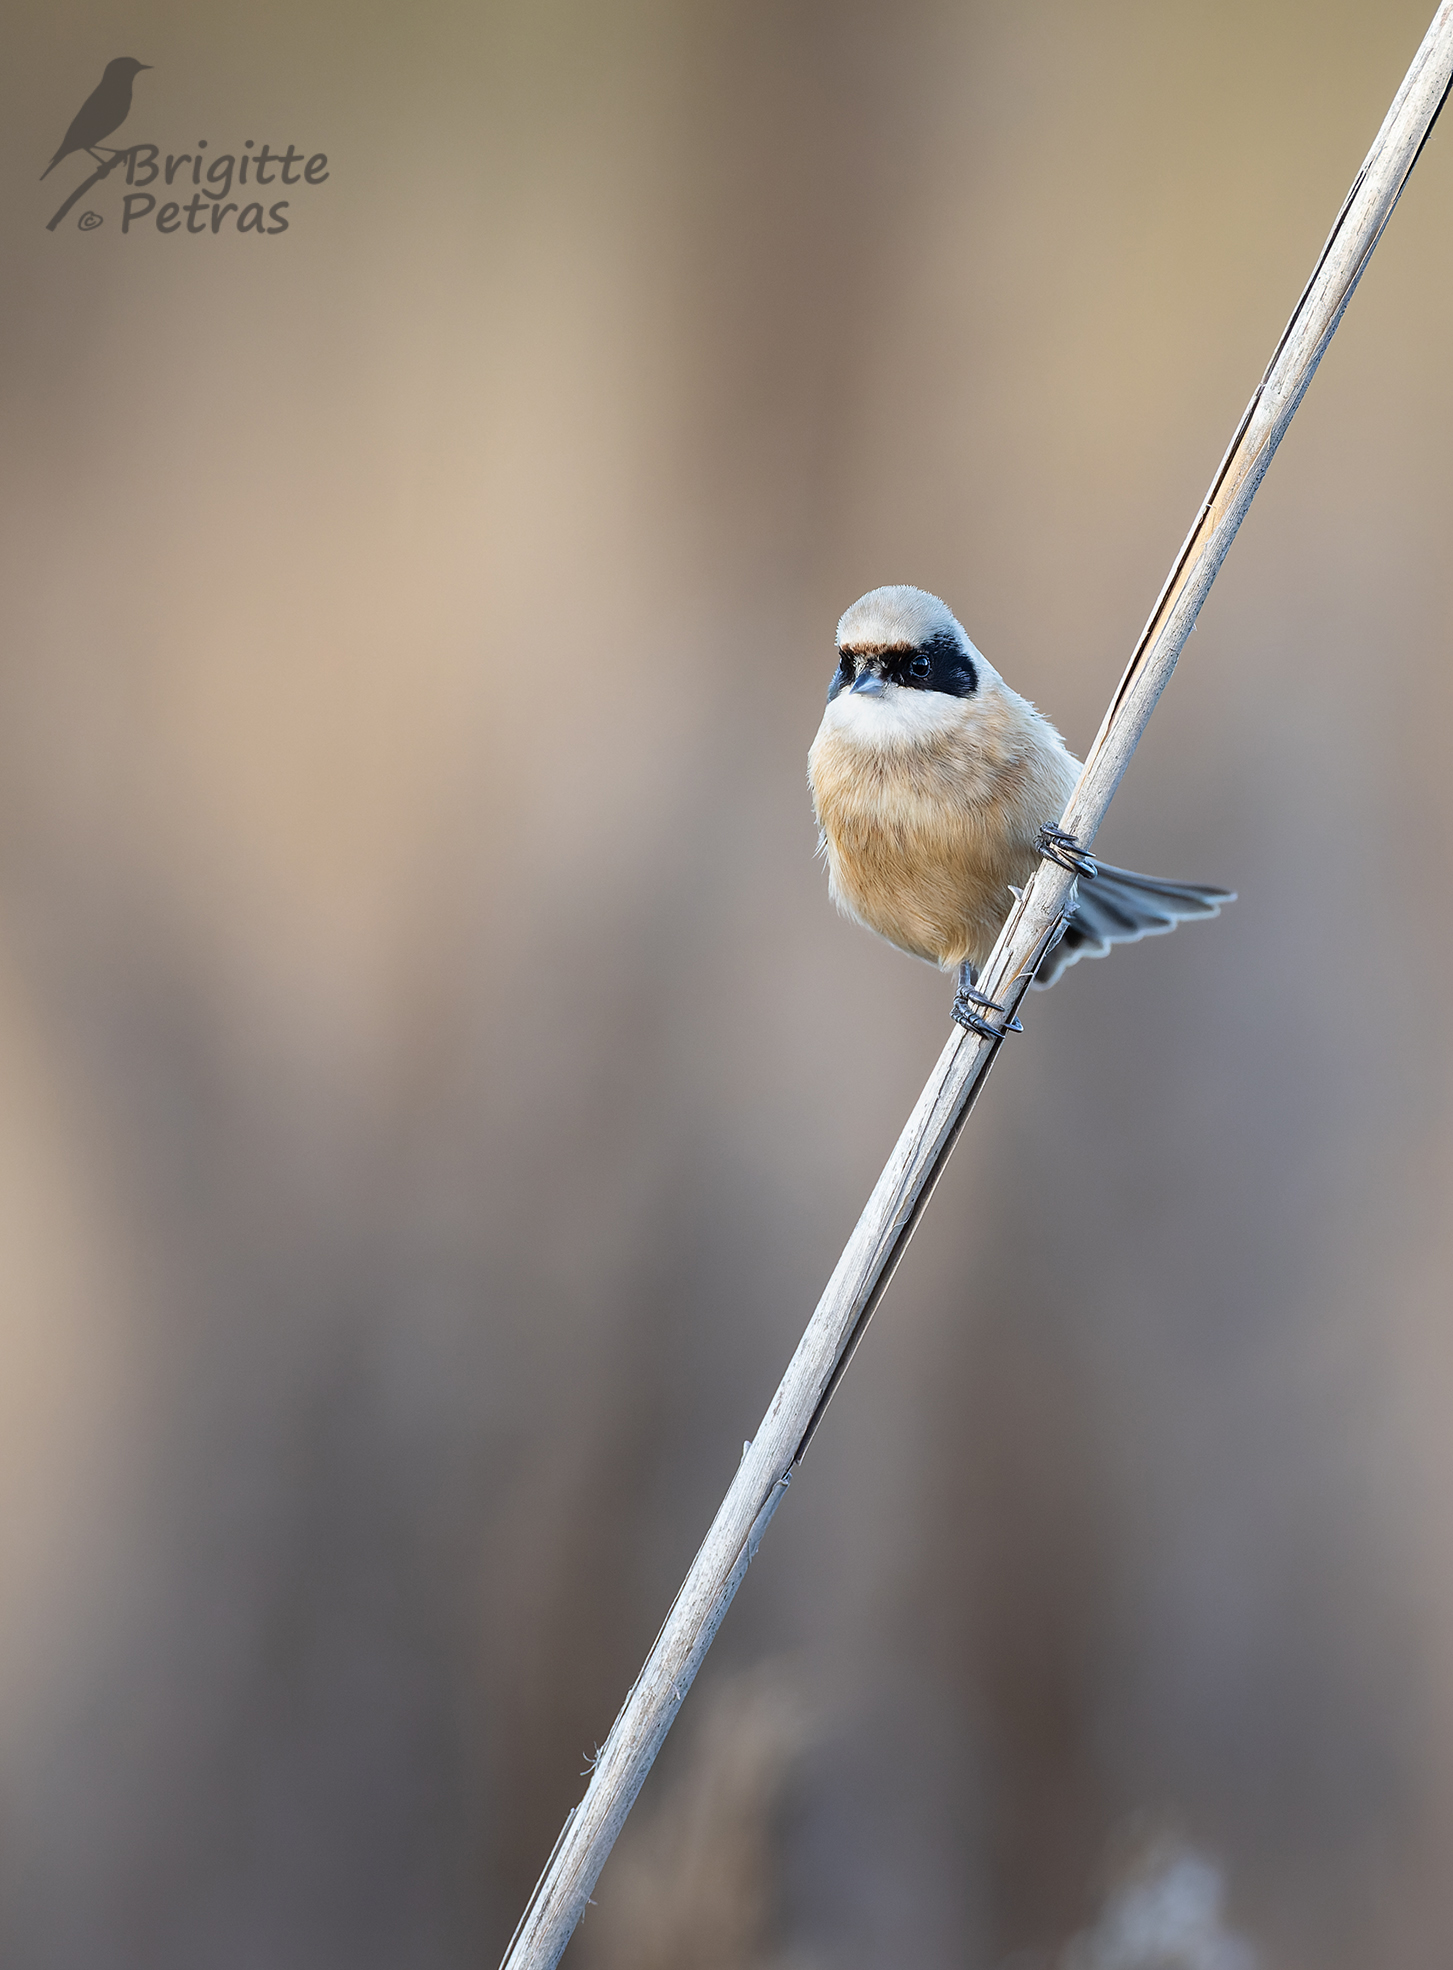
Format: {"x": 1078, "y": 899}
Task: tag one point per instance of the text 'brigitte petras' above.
{"x": 211, "y": 208}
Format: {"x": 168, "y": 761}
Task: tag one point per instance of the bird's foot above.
{"x": 965, "y": 1012}
{"x": 1057, "y": 846}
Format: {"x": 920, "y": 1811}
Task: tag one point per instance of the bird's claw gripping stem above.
{"x": 966, "y": 1015}
{"x": 1057, "y": 846}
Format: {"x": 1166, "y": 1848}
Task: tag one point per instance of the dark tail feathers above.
{"x": 1119, "y": 907}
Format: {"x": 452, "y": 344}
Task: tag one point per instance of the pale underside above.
{"x": 930, "y": 807}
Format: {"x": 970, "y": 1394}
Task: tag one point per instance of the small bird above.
{"x": 104, "y": 110}
{"x": 937, "y": 790}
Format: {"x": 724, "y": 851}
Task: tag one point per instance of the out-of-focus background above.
{"x": 434, "y": 1086}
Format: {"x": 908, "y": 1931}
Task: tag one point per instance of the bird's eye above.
{"x": 919, "y": 668}
{"x": 845, "y": 662}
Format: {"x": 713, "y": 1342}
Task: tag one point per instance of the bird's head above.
{"x": 898, "y": 640}
{"x": 124, "y": 68}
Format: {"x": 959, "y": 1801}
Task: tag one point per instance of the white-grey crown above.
{"x": 898, "y": 615}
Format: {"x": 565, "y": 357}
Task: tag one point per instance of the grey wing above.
{"x": 1117, "y": 906}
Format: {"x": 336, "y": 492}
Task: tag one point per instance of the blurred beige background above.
{"x": 434, "y": 1086}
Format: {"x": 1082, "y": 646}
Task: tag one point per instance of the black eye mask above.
{"x": 939, "y": 664}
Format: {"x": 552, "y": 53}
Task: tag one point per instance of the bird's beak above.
{"x": 869, "y": 683}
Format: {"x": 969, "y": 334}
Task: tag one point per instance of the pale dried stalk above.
{"x": 902, "y": 1191}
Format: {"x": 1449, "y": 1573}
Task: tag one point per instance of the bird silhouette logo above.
{"x": 224, "y": 184}
{"x": 104, "y": 110}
